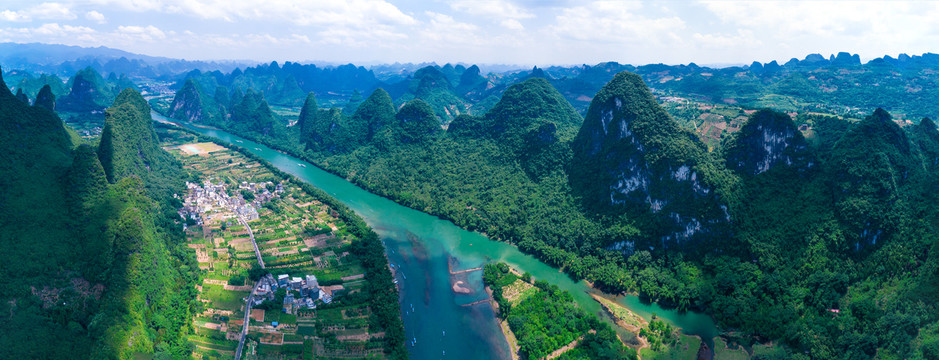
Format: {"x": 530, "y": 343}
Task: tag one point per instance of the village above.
{"x": 203, "y": 199}
{"x": 277, "y": 271}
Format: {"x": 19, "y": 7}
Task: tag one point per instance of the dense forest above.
{"x": 816, "y": 231}
{"x": 92, "y": 258}
{"x": 904, "y": 85}
{"x": 545, "y": 318}
{"x": 826, "y": 244}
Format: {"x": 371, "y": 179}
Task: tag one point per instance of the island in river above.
{"x": 420, "y": 248}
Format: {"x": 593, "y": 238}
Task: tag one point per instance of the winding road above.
{"x": 250, "y": 300}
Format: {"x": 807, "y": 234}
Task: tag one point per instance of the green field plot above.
{"x": 223, "y": 299}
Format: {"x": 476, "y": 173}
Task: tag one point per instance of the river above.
{"x": 422, "y": 248}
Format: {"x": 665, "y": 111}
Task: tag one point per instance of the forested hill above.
{"x": 90, "y": 266}
{"x": 129, "y": 146}
{"x": 769, "y": 233}
{"x": 631, "y": 155}
{"x": 904, "y": 85}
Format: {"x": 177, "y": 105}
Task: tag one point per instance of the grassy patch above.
{"x": 518, "y": 291}
{"x": 721, "y": 351}
{"x": 221, "y": 298}
{"x": 769, "y": 351}
{"x": 686, "y": 348}
{"x": 621, "y": 312}
{"x": 306, "y": 330}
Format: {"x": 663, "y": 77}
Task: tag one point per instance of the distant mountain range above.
{"x": 64, "y": 60}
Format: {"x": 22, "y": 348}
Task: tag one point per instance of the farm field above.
{"x": 297, "y": 237}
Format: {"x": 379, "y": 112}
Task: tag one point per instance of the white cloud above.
{"x": 15, "y": 16}
{"x": 353, "y": 21}
{"x": 96, "y": 17}
{"x": 492, "y": 9}
{"x": 52, "y": 11}
{"x": 314, "y": 12}
{"x": 616, "y": 22}
{"x": 44, "y": 11}
{"x": 147, "y": 33}
{"x": 501, "y": 12}
{"x": 512, "y": 24}
{"x": 50, "y": 32}
{"x": 868, "y": 27}
{"x": 743, "y": 38}
{"x": 496, "y": 31}
{"x": 442, "y": 29}
{"x": 55, "y": 30}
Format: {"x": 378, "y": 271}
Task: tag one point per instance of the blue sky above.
{"x": 524, "y": 32}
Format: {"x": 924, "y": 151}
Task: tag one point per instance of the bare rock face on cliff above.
{"x": 189, "y": 105}
{"x": 631, "y": 158}
{"x": 768, "y": 139}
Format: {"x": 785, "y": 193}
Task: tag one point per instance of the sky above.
{"x": 521, "y": 32}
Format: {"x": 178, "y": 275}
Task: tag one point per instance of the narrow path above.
{"x": 564, "y": 349}
{"x": 465, "y": 271}
{"x": 567, "y": 347}
{"x": 476, "y": 302}
{"x": 244, "y": 330}
{"x": 255, "y": 243}
{"x": 450, "y": 268}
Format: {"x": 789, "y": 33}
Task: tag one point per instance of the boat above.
{"x": 301, "y": 165}
{"x": 258, "y": 149}
{"x": 238, "y": 141}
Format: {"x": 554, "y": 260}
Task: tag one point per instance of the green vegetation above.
{"x": 548, "y": 320}
{"x": 93, "y": 268}
{"x": 674, "y": 194}
{"x": 682, "y": 347}
{"x": 303, "y": 212}
{"x": 768, "y": 243}
{"x": 903, "y": 85}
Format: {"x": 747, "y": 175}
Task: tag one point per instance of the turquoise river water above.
{"x": 423, "y": 249}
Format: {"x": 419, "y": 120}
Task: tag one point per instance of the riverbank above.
{"x": 625, "y": 319}
{"x": 545, "y": 320}
{"x": 504, "y": 326}
{"x": 285, "y": 147}
{"x": 685, "y": 347}
{"x": 393, "y": 222}
{"x": 343, "y": 258}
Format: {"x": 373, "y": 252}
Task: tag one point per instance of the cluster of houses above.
{"x": 308, "y": 288}
{"x": 203, "y": 199}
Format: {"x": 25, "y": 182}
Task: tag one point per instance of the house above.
{"x": 311, "y": 282}
{"x": 282, "y": 280}
{"x": 296, "y": 283}
{"x": 309, "y": 303}
{"x": 288, "y": 304}
{"x": 263, "y": 289}
{"x": 333, "y": 290}
{"x": 325, "y": 297}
